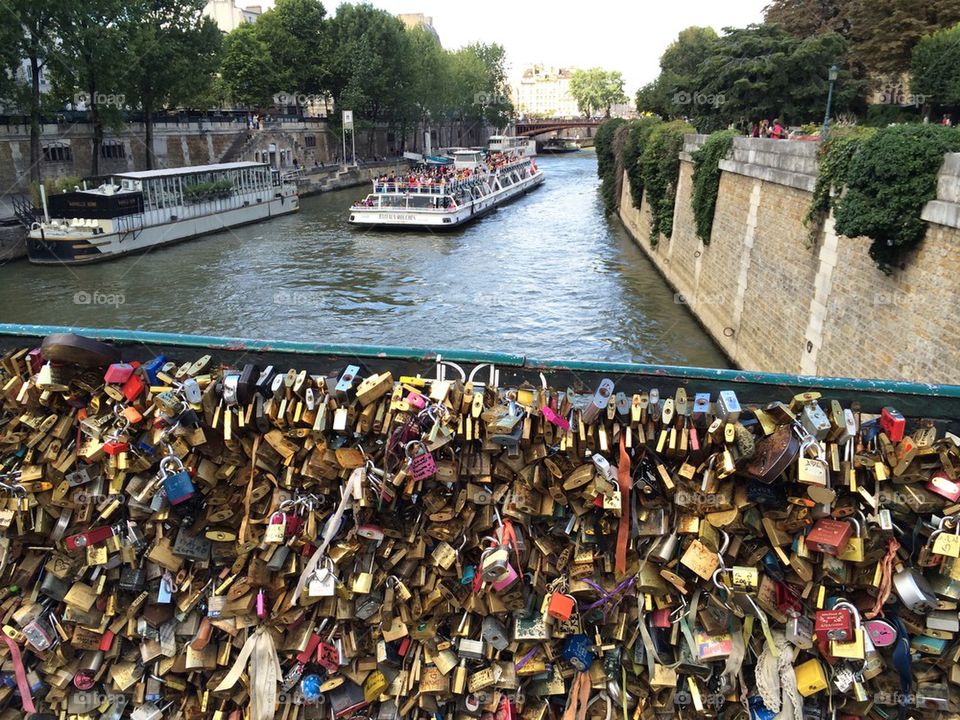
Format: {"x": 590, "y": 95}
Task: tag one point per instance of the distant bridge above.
{"x": 531, "y": 128}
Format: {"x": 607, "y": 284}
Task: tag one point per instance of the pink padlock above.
{"x": 416, "y": 400}
{"x": 554, "y": 418}
{"x": 118, "y": 373}
{"x": 261, "y": 604}
{"x": 422, "y": 464}
{"x": 507, "y": 580}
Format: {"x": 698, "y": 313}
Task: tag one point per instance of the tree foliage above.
{"x": 935, "y": 68}
{"x": 596, "y": 90}
{"x": 679, "y": 66}
{"x": 835, "y": 156}
{"x": 881, "y": 33}
{"x": 889, "y": 181}
{"x": 247, "y": 68}
{"x": 636, "y": 142}
{"x": 603, "y": 142}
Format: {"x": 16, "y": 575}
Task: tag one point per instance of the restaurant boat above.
{"x": 136, "y": 211}
{"x": 560, "y": 145}
{"x": 409, "y": 203}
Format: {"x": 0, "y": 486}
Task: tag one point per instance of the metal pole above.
{"x": 826, "y": 117}
{"x": 344, "y": 156}
{"x": 353, "y": 142}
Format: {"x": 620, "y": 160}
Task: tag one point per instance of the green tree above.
{"x": 177, "y": 52}
{"x": 596, "y": 90}
{"x": 90, "y": 39}
{"x": 247, "y": 68}
{"x": 34, "y": 25}
{"x": 294, "y": 33}
{"x": 428, "y": 68}
{"x": 935, "y": 69}
{"x": 671, "y": 94}
{"x": 804, "y": 18}
{"x": 366, "y": 51}
{"x": 762, "y": 71}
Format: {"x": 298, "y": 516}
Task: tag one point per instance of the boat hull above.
{"x": 85, "y": 248}
{"x": 414, "y": 220}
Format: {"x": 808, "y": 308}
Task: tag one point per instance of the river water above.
{"x": 548, "y": 276}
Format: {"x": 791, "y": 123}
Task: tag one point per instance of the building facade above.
{"x": 414, "y": 20}
{"x": 545, "y": 92}
{"x": 228, "y": 16}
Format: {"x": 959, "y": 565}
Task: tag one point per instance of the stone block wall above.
{"x": 777, "y": 300}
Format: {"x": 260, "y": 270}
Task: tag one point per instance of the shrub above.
{"x": 706, "y": 180}
{"x": 889, "y": 181}
{"x": 835, "y": 156}
{"x": 660, "y": 166}
{"x": 603, "y": 142}
{"x": 637, "y": 137}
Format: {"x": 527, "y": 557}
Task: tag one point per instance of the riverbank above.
{"x": 776, "y": 300}
{"x": 320, "y": 180}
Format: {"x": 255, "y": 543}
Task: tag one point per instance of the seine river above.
{"x": 548, "y": 276}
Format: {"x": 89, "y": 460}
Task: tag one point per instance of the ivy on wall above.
{"x": 603, "y": 142}
{"x": 660, "y": 167}
{"x": 706, "y": 180}
{"x": 835, "y": 156}
{"x": 889, "y": 179}
{"x": 637, "y": 138}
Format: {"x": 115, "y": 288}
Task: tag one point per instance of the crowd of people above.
{"x": 769, "y": 129}
{"x": 439, "y": 179}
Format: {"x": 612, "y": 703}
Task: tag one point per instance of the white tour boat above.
{"x": 471, "y": 189}
{"x": 132, "y": 212}
{"x": 509, "y": 144}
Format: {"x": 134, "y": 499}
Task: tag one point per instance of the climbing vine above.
{"x": 889, "y": 180}
{"x": 835, "y": 157}
{"x": 637, "y": 137}
{"x": 603, "y": 142}
{"x": 660, "y": 167}
{"x": 706, "y": 180}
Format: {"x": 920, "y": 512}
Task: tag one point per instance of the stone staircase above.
{"x": 243, "y": 142}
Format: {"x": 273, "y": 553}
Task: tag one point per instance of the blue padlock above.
{"x": 153, "y": 367}
{"x": 310, "y": 687}
{"x": 177, "y": 485}
{"x": 469, "y": 572}
{"x": 577, "y": 651}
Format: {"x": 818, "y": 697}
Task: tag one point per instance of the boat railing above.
{"x": 425, "y": 189}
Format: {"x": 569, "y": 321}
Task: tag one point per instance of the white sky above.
{"x": 620, "y": 35}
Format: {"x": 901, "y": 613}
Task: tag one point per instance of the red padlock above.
{"x": 133, "y": 387}
{"x": 118, "y": 373}
{"x": 660, "y": 618}
{"x": 892, "y": 423}
{"x": 829, "y": 536}
{"x": 115, "y": 447}
{"x": 788, "y": 598}
{"x": 833, "y": 625}
{"x": 328, "y": 657}
{"x": 560, "y": 606}
{"x": 941, "y": 484}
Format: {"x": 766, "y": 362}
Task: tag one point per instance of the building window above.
{"x": 113, "y": 151}
{"x": 57, "y": 153}
{"x": 310, "y": 140}
{"x": 391, "y": 137}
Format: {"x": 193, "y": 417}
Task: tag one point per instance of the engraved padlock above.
{"x": 494, "y": 564}
{"x": 276, "y": 528}
{"x": 853, "y": 648}
{"x": 176, "y": 481}
{"x": 420, "y": 461}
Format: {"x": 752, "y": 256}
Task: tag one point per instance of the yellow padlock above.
{"x": 811, "y": 677}
{"x": 852, "y": 650}
{"x": 853, "y": 552}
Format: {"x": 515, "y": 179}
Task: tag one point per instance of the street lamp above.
{"x": 834, "y": 71}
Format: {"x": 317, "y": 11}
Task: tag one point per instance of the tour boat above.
{"x": 135, "y": 211}
{"x": 508, "y": 144}
{"x": 560, "y": 145}
{"x": 410, "y": 202}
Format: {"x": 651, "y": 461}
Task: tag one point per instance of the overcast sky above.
{"x": 624, "y": 35}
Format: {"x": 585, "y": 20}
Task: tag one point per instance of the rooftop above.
{"x": 167, "y": 172}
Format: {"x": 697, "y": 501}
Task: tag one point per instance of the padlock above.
{"x": 834, "y": 625}
{"x": 176, "y": 482}
{"x": 946, "y": 543}
{"x": 799, "y": 632}
{"x": 578, "y": 651}
{"x": 854, "y": 549}
{"x": 118, "y": 373}
{"x": 494, "y": 633}
{"x": 853, "y": 647}
{"x": 830, "y": 536}
{"x": 892, "y": 423}
{"x": 560, "y": 606}
{"x": 276, "y": 528}
{"x": 811, "y": 677}
{"x": 421, "y": 463}
{"x": 495, "y": 564}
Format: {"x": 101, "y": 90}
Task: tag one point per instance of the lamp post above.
{"x": 834, "y": 71}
